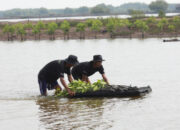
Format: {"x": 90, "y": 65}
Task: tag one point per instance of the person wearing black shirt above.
{"x": 85, "y": 69}
{"x": 50, "y": 73}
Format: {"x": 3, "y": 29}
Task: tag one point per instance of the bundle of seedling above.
{"x": 79, "y": 86}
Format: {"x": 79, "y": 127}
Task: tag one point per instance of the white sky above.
{"x": 60, "y": 4}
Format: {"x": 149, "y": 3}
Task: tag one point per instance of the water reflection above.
{"x": 71, "y": 113}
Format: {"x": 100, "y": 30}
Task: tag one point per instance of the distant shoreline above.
{"x": 83, "y": 16}
{"x": 96, "y": 10}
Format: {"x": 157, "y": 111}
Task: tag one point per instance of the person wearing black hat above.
{"x": 48, "y": 75}
{"x": 85, "y": 69}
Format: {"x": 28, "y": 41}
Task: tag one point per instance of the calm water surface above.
{"x": 80, "y": 17}
{"x": 128, "y": 61}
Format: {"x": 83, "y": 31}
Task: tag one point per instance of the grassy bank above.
{"x": 91, "y": 29}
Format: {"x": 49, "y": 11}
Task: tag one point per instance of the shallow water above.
{"x": 128, "y": 61}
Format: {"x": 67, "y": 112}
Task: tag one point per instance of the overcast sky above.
{"x": 60, "y": 4}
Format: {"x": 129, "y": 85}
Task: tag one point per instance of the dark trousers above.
{"x": 43, "y": 86}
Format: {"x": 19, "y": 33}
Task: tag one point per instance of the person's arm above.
{"x": 66, "y": 86}
{"x": 70, "y": 78}
{"x": 105, "y": 79}
{"x": 85, "y": 78}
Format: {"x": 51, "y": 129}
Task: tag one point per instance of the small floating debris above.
{"x": 171, "y": 40}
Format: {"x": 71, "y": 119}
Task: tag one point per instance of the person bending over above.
{"x": 85, "y": 69}
{"x": 50, "y": 73}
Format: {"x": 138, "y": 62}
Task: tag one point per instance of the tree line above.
{"x": 113, "y": 26}
{"x": 100, "y": 9}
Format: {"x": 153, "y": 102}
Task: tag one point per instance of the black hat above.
{"x": 72, "y": 59}
{"x": 97, "y": 58}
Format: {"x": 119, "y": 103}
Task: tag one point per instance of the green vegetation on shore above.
{"x": 92, "y": 28}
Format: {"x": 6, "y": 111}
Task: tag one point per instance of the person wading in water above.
{"x": 50, "y": 73}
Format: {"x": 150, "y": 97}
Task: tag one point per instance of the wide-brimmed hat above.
{"x": 97, "y": 58}
{"x": 72, "y": 59}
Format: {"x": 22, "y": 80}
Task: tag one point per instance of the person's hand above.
{"x": 71, "y": 93}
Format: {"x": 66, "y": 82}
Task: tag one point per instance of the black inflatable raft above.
{"x": 116, "y": 91}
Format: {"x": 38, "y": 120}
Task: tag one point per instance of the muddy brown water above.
{"x": 128, "y": 61}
